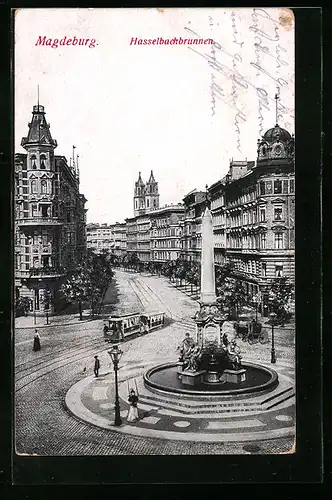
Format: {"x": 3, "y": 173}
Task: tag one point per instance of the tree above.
{"x": 22, "y": 305}
{"x": 181, "y": 268}
{"x": 281, "y": 292}
{"x": 76, "y": 288}
{"x": 194, "y": 274}
{"x": 234, "y": 296}
{"x": 221, "y": 274}
{"x": 90, "y": 281}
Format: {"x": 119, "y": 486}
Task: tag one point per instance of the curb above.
{"x": 16, "y": 327}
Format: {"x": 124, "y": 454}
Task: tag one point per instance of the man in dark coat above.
{"x": 96, "y": 367}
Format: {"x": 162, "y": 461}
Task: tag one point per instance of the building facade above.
{"x": 119, "y": 232}
{"x": 109, "y": 237}
{"x": 191, "y": 241}
{"x": 253, "y": 211}
{"x": 99, "y": 237}
{"x": 166, "y": 233}
{"x": 50, "y": 217}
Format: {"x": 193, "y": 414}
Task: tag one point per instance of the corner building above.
{"x": 253, "y": 213}
{"x": 50, "y": 217}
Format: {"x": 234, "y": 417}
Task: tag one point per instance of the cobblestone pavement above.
{"x": 43, "y": 424}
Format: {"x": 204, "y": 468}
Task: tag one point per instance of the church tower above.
{"x": 152, "y": 194}
{"x": 139, "y": 196}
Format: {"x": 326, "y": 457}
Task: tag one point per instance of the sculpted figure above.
{"x": 185, "y": 346}
{"x": 228, "y": 332}
{"x": 233, "y": 354}
{"x": 191, "y": 358}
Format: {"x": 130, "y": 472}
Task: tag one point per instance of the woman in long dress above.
{"x": 133, "y": 410}
{"x": 36, "y": 341}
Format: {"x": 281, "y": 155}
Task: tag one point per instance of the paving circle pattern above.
{"x": 284, "y": 418}
{"x": 181, "y": 423}
{"x": 179, "y": 419}
{"x": 251, "y": 448}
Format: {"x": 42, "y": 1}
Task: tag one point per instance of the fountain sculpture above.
{"x": 215, "y": 357}
{"x": 211, "y": 365}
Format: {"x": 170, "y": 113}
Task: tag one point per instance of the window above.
{"x": 34, "y": 210}
{"x": 33, "y": 186}
{"x": 33, "y": 162}
{"x": 43, "y": 187}
{"x": 148, "y": 203}
{"x": 291, "y": 186}
{"x": 278, "y": 214}
{"x": 277, "y": 187}
{"x": 263, "y": 241}
{"x": 44, "y": 210}
{"x": 268, "y": 187}
{"x": 43, "y": 162}
{"x": 263, "y": 269}
{"x": 285, "y": 187}
{"x": 278, "y": 240}
{"x": 279, "y": 271}
{"x": 262, "y": 214}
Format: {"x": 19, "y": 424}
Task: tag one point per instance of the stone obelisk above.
{"x": 208, "y": 294}
{"x": 208, "y": 320}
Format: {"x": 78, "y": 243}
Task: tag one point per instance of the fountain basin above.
{"x": 165, "y": 379}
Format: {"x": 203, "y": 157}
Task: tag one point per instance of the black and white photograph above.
{"x": 154, "y": 232}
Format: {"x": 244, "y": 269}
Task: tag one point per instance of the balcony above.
{"x": 40, "y": 221}
{"x": 45, "y": 272}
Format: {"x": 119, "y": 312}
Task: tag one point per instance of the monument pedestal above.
{"x": 234, "y": 376}
{"x": 212, "y": 377}
{"x": 212, "y": 374}
{"x": 192, "y": 378}
{"x": 180, "y": 369}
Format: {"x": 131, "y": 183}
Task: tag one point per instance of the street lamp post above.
{"x": 255, "y": 301}
{"x": 273, "y": 352}
{"x": 115, "y": 354}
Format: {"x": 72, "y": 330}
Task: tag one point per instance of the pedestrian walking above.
{"x": 132, "y": 415}
{"x": 36, "y": 341}
{"x": 96, "y": 367}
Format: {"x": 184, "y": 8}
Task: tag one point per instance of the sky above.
{"x": 183, "y": 111}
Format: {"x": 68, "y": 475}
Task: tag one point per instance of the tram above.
{"x": 117, "y": 328}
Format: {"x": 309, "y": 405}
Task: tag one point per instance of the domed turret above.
{"x": 277, "y": 143}
{"x": 277, "y": 133}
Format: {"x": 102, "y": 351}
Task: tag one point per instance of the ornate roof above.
{"x": 276, "y": 144}
{"x": 276, "y": 133}
{"x": 39, "y": 129}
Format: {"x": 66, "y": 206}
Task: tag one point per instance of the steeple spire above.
{"x": 277, "y": 97}
{"x": 152, "y": 179}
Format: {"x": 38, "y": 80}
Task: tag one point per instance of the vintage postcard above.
{"x": 154, "y": 231}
